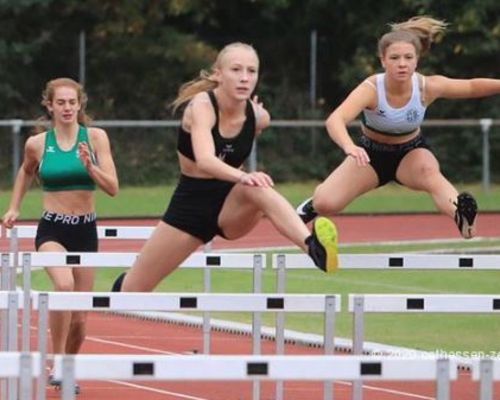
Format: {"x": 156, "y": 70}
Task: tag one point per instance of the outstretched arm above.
{"x": 439, "y": 86}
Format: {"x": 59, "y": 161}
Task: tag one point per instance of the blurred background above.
{"x": 133, "y": 55}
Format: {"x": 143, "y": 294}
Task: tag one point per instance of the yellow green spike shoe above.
{"x": 322, "y": 244}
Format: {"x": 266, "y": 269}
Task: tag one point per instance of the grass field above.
{"x": 422, "y": 331}
{"x": 152, "y": 201}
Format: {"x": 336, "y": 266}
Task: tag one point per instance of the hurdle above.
{"x": 395, "y": 261}
{"x": 23, "y": 367}
{"x": 103, "y": 232}
{"x": 254, "y": 368}
{"x": 207, "y": 261}
{"x": 359, "y": 304}
{"x": 486, "y": 371}
{"x": 248, "y": 302}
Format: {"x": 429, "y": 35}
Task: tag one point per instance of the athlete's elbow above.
{"x": 112, "y": 189}
{"x": 205, "y": 164}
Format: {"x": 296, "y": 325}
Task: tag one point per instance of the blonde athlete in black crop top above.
{"x": 215, "y": 195}
{"x": 69, "y": 176}
{"x": 389, "y": 150}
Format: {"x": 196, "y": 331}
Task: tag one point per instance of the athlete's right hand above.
{"x": 359, "y": 154}
{"x": 9, "y": 219}
{"x": 259, "y": 179}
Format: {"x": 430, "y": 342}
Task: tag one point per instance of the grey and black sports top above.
{"x": 395, "y": 121}
{"x": 233, "y": 151}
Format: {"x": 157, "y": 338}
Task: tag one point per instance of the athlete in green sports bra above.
{"x": 71, "y": 160}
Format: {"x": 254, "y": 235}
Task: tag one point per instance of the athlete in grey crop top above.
{"x": 391, "y": 121}
{"x": 392, "y": 148}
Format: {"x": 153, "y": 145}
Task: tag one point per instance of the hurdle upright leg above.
{"x": 43, "y": 311}
{"x": 26, "y": 322}
{"x": 4, "y": 333}
{"x": 329, "y": 340}
{"x": 257, "y": 321}
{"x": 486, "y": 379}
{"x": 357, "y": 342}
{"x": 280, "y": 320}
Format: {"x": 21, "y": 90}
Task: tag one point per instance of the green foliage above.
{"x": 138, "y": 53}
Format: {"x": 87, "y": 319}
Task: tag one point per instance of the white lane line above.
{"x": 159, "y": 391}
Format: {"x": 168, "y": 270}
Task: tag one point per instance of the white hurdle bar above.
{"x": 231, "y": 368}
{"x": 103, "y": 232}
{"x": 395, "y": 261}
{"x": 207, "y": 261}
{"x": 359, "y": 304}
{"x": 22, "y": 367}
{"x": 182, "y": 302}
{"x": 486, "y": 371}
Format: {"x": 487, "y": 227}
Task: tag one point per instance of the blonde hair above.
{"x": 419, "y": 31}
{"x": 205, "y": 80}
{"x": 48, "y": 97}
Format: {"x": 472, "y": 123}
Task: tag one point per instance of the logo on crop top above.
{"x": 50, "y": 149}
{"x": 226, "y": 150}
{"x": 412, "y": 115}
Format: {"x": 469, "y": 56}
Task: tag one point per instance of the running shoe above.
{"x": 465, "y": 214}
{"x": 323, "y": 245}
{"x": 117, "y": 284}
{"x": 57, "y": 384}
{"x": 306, "y": 211}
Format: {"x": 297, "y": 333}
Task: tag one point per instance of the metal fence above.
{"x": 465, "y": 148}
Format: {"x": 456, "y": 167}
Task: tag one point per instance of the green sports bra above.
{"x": 62, "y": 170}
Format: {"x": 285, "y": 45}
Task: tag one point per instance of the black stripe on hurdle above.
{"x": 142, "y": 369}
{"x": 257, "y": 368}
{"x": 396, "y": 261}
{"x": 465, "y": 262}
{"x": 188, "y": 302}
{"x": 213, "y": 260}
{"x": 72, "y": 260}
{"x": 100, "y": 302}
{"x": 370, "y": 368}
{"x": 275, "y": 303}
{"x": 414, "y": 304}
{"x": 110, "y": 232}
{"x": 496, "y": 304}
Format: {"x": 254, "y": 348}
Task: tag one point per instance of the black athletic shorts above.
{"x": 73, "y": 232}
{"x": 195, "y": 206}
{"x": 385, "y": 158}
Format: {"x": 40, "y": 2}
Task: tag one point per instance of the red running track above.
{"x": 114, "y": 334}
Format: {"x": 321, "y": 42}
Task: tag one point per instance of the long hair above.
{"x": 419, "y": 31}
{"x": 48, "y": 97}
{"x": 205, "y": 81}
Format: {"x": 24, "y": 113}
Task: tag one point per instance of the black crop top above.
{"x": 233, "y": 151}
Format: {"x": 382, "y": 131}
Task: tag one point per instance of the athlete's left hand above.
{"x": 84, "y": 155}
{"x": 256, "y": 178}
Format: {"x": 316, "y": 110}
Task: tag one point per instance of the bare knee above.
{"x": 324, "y": 203}
{"x": 64, "y": 286}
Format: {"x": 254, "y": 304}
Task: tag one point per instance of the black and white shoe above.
{"x": 306, "y": 211}
{"x": 465, "y": 214}
{"x": 117, "y": 284}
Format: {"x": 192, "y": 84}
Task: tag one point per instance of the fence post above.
{"x": 16, "y": 146}
{"x": 485, "y": 128}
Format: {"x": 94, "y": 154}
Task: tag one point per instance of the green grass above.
{"x": 152, "y": 201}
